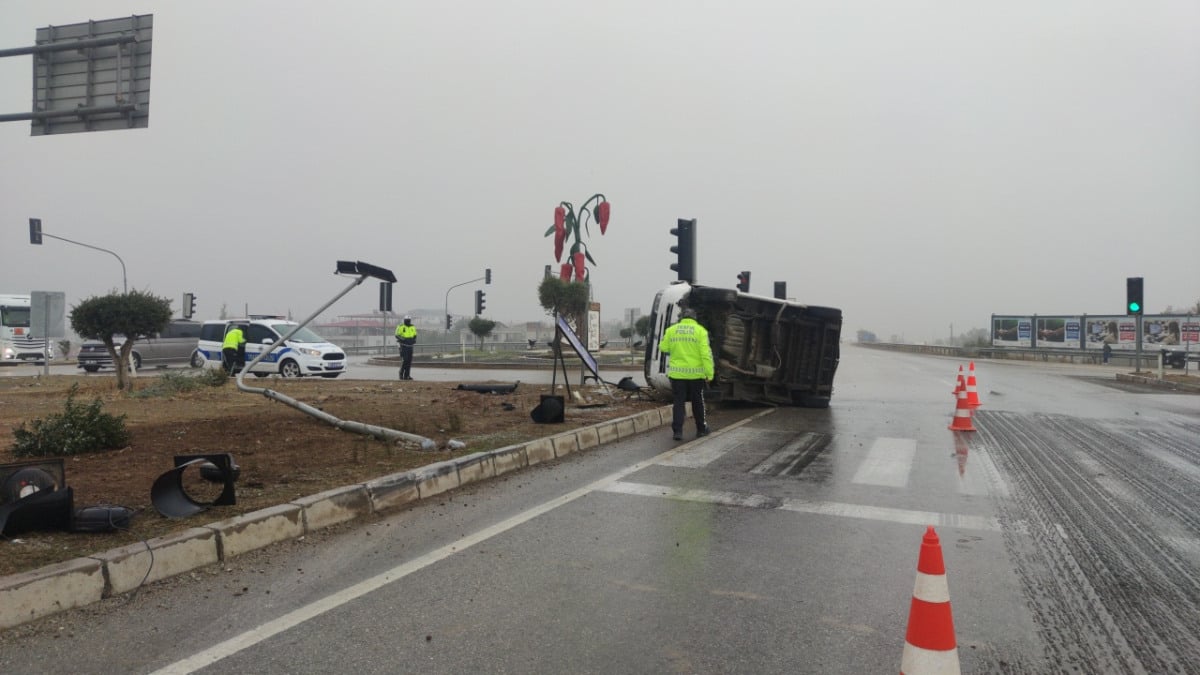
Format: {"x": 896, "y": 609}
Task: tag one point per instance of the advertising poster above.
{"x": 1191, "y": 331}
{"x": 1058, "y": 331}
{"x": 1161, "y": 332}
{"x": 1012, "y": 331}
{"x": 1118, "y": 332}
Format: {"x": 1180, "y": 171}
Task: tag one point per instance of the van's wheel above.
{"x": 290, "y": 368}
{"x": 198, "y": 359}
{"x": 258, "y": 374}
{"x": 91, "y": 369}
{"x": 137, "y": 360}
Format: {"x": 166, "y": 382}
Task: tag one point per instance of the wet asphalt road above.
{"x": 1068, "y": 523}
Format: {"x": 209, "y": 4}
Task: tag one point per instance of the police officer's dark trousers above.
{"x": 684, "y": 391}
{"x": 406, "y": 357}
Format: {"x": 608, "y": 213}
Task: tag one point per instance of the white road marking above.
{"x": 312, "y": 610}
{"x": 839, "y": 509}
{"x": 699, "y": 455}
{"x": 888, "y": 463}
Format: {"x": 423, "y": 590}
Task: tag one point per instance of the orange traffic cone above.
{"x": 929, "y": 645}
{"x": 962, "y": 412}
{"x": 960, "y": 382}
{"x": 972, "y": 391}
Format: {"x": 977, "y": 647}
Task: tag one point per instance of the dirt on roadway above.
{"x": 283, "y": 453}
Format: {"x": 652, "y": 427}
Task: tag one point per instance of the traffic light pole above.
{"x": 124, "y": 282}
{"x": 1137, "y": 358}
{"x": 486, "y": 278}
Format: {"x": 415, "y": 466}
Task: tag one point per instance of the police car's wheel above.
{"x": 290, "y": 368}
{"x": 198, "y": 359}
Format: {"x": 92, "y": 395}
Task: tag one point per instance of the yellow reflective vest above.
{"x": 233, "y": 339}
{"x": 691, "y": 357}
{"x": 406, "y": 333}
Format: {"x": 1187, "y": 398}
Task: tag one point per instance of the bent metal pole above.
{"x": 381, "y": 433}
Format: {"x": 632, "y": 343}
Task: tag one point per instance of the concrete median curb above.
{"x": 31, "y": 595}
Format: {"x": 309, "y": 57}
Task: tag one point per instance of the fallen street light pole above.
{"x": 362, "y": 270}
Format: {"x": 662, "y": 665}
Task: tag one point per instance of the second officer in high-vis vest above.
{"x": 690, "y": 367}
{"x": 406, "y": 335}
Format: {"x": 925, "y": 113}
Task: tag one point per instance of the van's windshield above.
{"x": 302, "y": 335}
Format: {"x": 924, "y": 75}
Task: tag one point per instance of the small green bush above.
{"x": 175, "y": 383}
{"x": 79, "y": 429}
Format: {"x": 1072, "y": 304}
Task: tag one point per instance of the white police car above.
{"x": 304, "y": 353}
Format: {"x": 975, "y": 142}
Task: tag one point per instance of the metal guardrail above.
{"x": 1121, "y": 358}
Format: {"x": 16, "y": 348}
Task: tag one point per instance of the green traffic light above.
{"x": 1133, "y": 307}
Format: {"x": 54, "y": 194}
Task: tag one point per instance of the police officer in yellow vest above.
{"x": 406, "y": 335}
{"x": 233, "y": 349}
{"x": 689, "y": 367}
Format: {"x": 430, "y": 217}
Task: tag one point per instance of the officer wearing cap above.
{"x": 406, "y": 335}
{"x": 689, "y": 367}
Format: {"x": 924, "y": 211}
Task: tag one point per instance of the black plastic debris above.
{"x": 490, "y": 388}
{"x": 550, "y": 410}
{"x": 172, "y": 501}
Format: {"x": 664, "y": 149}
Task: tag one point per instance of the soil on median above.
{"x": 283, "y": 453}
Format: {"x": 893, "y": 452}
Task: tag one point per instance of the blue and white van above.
{"x": 304, "y": 353}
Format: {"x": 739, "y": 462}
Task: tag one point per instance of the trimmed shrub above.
{"x": 79, "y": 429}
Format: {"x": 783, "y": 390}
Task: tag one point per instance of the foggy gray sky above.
{"x": 917, "y": 164}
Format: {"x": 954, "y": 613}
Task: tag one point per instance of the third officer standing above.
{"x": 689, "y": 367}
{"x": 406, "y": 335}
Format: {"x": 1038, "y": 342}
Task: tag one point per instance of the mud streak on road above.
{"x": 1102, "y": 526}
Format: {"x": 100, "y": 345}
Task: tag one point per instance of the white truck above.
{"x": 16, "y": 342}
{"x": 765, "y": 350}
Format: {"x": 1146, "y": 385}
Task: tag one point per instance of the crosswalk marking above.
{"x": 888, "y": 463}
{"x": 837, "y": 509}
{"x": 700, "y": 455}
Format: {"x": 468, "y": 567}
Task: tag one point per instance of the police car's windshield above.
{"x": 302, "y": 335}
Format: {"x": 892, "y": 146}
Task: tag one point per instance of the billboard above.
{"x": 1012, "y": 331}
{"x": 1058, "y": 331}
{"x": 1119, "y": 332}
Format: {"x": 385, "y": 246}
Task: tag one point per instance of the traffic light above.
{"x": 1133, "y": 296}
{"x": 685, "y": 250}
{"x": 781, "y": 290}
{"x": 479, "y": 298}
{"x": 35, "y": 230}
{"x": 385, "y": 296}
{"x": 189, "y": 305}
{"x": 449, "y": 323}
{"x": 744, "y": 281}
{"x": 487, "y": 276}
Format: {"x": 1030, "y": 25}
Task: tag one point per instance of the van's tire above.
{"x": 258, "y": 374}
{"x": 137, "y": 360}
{"x": 198, "y": 359}
{"x": 290, "y": 368}
{"x": 91, "y": 369}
